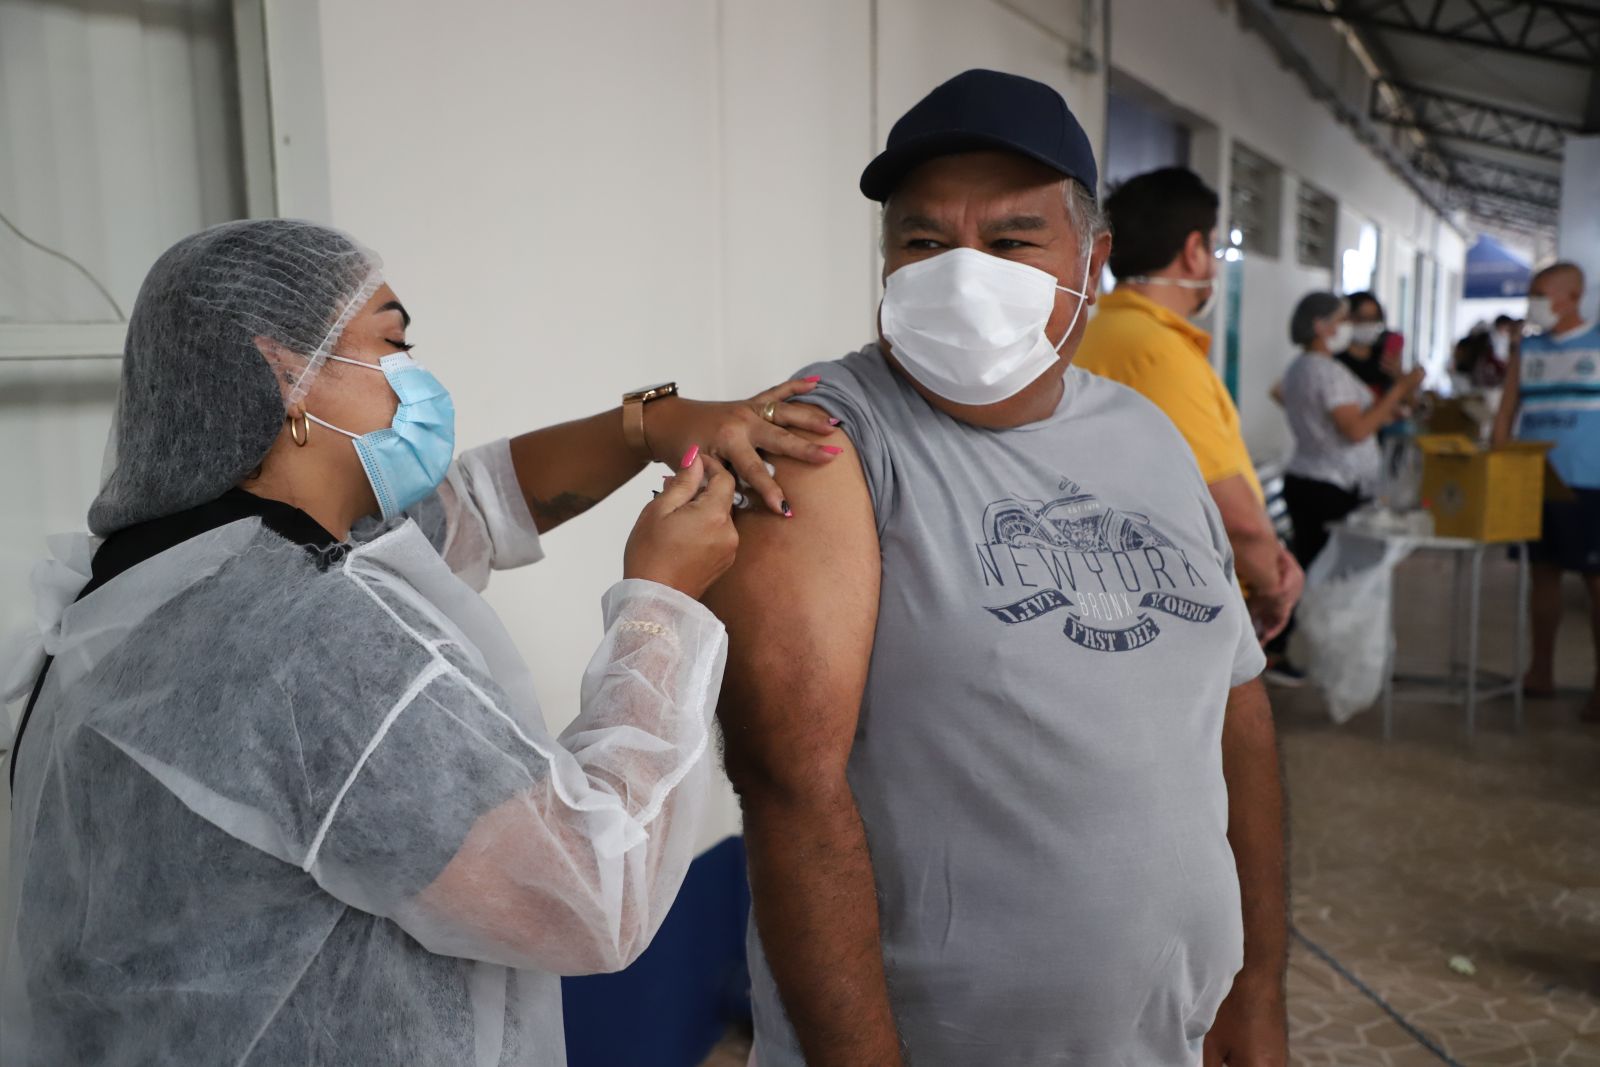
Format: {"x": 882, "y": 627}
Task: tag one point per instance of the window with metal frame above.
{"x": 1255, "y": 199}
{"x": 143, "y": 122}
{"x": 1316, "y": 216}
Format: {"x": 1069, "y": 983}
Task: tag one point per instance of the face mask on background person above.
{"x": 1541, "y": 314}
{"x": 408, "y": 459}
{"x": 1366, "y": 333}
{"x": 1339, "y": 340}
{"x": 970, "y": 327}
{"x": 1209, "y": 284}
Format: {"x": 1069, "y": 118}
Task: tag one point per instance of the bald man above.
{"x": 1553, "y": 394}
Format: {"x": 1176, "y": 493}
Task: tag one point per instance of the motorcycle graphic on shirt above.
{"x": 1105, "y": 568}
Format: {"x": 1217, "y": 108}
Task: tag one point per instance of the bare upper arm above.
{"x": 1349, "y": 420}
{"x": 1241, "y": 510}
{"x": 801, "y": 605}
{"x": 1247, "y": 721}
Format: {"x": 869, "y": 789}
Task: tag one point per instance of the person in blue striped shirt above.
{"x": 1553, "y": 394}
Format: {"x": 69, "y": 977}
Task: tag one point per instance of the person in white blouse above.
{"x": 1334, "y": 418}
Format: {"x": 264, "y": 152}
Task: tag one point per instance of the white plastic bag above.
{"x": 1344, "y": 618}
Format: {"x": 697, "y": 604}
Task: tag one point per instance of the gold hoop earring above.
{"x": 304, "y": 435}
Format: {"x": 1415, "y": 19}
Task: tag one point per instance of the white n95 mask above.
{"x": 1340, "y": 338}
{"x": 1208, "y": 284}
{"x": 1366, "y": 333}
{"x": 1541, "y": 314}
{"x": 970, "y": 327}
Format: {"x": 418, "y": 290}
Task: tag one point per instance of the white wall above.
{"x": 1196, "y": 56}
{"x": 923, "y": 42}
{"x": 573, "y": 199}
{"x": 1580, "y": 215}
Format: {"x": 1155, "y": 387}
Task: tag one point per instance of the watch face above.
{"x": 652, "y": 391}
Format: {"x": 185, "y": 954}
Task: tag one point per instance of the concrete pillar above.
{"x": 1579, "y": 230}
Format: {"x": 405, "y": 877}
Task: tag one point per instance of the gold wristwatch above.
{"x": 633, "y": 403}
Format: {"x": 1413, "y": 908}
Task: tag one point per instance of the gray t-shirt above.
{"x": 1312, "y": 387}
{"x": 1038, "y": 761}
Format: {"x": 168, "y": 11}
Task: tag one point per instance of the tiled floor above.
{"x": 1411, "y": 852}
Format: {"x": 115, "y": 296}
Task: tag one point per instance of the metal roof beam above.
{"x": 1258, "y": 16}
{"x": 1555, "y": 30}
{"x": 1530, "y": 187}
{"x": 1512, "y": 212}
{"x": 1447, "y": 115}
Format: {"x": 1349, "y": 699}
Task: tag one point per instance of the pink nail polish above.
{"x": 833, "y": 422}
{"x": 832, "y": 450}
{"x": 814, "y": 378}
{"x": 690, "y": 456}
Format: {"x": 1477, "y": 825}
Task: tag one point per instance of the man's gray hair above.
{"x": 1088, "y": 218}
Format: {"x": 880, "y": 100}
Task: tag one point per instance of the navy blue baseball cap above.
{"x": 984, "y": 109}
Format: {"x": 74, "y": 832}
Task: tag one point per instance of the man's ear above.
{"x": 1196, "y": 251}
{"x": 1099, "y": 252}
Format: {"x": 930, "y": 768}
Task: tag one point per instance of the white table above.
{"x": 1464, "y": 681}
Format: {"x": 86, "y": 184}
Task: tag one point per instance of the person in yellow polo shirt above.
{"x": 1163, "y": 228}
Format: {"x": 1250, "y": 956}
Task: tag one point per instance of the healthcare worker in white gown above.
{"x": 284, "y": 794}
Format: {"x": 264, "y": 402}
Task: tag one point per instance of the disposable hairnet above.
{"x": 199, "y": 406}
{"x": 1312, "y": 306}
{"x": 275, "y": 809}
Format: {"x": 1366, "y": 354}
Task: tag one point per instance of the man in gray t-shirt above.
{"x": 1009, "y": 783}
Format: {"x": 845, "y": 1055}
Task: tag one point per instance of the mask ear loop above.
{"x": 356, "y": 363}
{"x": 312, "y": 418}
{"x": 1082, "y": 293}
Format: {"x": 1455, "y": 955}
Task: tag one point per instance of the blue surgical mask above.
{"x": 406, "y": 461}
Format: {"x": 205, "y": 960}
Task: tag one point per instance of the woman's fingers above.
{"x": 777, "y": 441}
{"x": 753, "y": 470}
{"x": 718, "y": 492}
{"x": 784, "y": 414}
{"x": 807, "y": 417}
{"x": 684, "y": 483}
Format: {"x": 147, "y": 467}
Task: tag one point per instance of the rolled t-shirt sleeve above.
{"x": 1248, "y": 659}
{"x": 844, "y": 396}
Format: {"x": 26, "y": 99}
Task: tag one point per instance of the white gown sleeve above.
{"x": 479, "y": 519}
{"x": 564, "y": 854}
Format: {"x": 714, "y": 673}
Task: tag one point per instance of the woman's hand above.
{"x": 735, "y": 431}
{"x": 685, "y": 537}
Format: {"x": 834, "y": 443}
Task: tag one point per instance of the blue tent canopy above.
{"x": 1493, "y": 270}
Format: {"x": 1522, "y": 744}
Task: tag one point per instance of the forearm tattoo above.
{"x": 559, "y": 508}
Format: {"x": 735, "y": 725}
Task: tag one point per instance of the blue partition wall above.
{"x": 672, "y": 1006}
